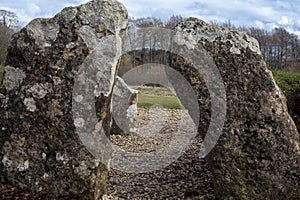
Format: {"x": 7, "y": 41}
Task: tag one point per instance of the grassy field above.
{"x": 287, "y": 81}
{"x": 149, "y": 96}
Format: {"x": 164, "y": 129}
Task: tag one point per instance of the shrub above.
{"x": 287, "y": 81}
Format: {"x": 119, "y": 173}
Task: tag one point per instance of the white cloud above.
{"x": 284, "y": 20}
{"x": 259, "y": 24}
{"x": 33, "y": 9}
{"x": 263, "y": 14}
{"x": 156, "y": 8}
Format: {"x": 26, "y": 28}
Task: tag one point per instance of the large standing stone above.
{"x": 40, "y": 149}
{"x": 257, "y": 156}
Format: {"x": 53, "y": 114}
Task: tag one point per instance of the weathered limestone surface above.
{"x": 40, "y": 150}
{"x": 124, "y": 104}
{"x": 257, "y": 156}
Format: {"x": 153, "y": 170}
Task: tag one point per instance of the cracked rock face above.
{"x": 40, "y": 150}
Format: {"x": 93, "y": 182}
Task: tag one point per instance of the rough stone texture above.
{"x": 257, "y": 156}
{"x": 124, "y": 104}
{"x": 40, "y": 150}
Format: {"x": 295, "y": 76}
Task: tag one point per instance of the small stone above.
{"x": 37, "y": 91}
{"x": 6, "y": 162}
{"x": 71, "y": 45}
{"x": 30, "y": 104}
{"x": 61, "y": 156}
{"x": 46, "y": 175}
{"x": 24, "y": 166}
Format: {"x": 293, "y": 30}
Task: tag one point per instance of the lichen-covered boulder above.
{"x": 257, "y": 156}
{"x": 40, "y": 150}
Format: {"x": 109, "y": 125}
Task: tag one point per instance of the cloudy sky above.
{"x": 265, "y": 14}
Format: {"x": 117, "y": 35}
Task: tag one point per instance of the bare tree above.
{"x": 280, "y": 49}
{"x": 146, "y": 22}
{"x": 5, "y": 35}
{"x": 8, "y": 19}
{"x": 174, "y": 20}
{"x": 8, "y": 24}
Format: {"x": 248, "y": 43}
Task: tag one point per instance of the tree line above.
{"x": 8, "y": 25}
{"x": 280, "y": 49}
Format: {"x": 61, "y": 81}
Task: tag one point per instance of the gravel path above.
{"x": 186, "y": 178}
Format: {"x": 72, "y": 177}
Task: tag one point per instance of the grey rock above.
{"x": 13, "y": 78}
{"x": 43, "y": 31}
{"x": 124, "y": 106}
{"x": 201, "y": 31}
{"x": 89, "y": 35}
{"x": 30, "y": 104}
{"x": 40, "y": 150}
{"x": 257, "y": 155}
{"x": 37, "y": 91}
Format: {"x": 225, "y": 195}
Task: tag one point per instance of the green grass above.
{"x": 287, "y": 81}
{"x": 159, "y": 91}
{"x": 148, "y": 97}
{"x": 1, "y": 73}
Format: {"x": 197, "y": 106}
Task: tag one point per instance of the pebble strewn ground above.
{"x": 186, "y": 178}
